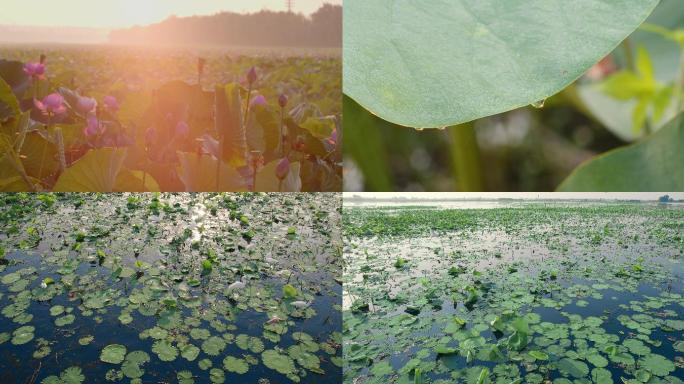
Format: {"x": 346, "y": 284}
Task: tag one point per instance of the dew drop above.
{"x": 539, "y": 104}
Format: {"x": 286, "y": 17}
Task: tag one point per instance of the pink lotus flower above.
{"x": 93, "y": 126}
{"x": 283, "y": 168}
{"x": 282, "y": 100}
{"x": 111, "y": 103}
{"x": 35, "y": 70}
{"x": 182, "y": 128}
{"x": 86, "y": 105}
{"x": 258, "y": 100}
{"x": 52, "y": 104}
{"x": 251, "y": 75}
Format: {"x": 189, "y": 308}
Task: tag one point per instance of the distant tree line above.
{"x": 266, "y": 28}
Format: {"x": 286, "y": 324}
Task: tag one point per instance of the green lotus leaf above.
{"x": 189, "y": 352}
{"x": 213, "y": 346}
{"x": 56, "y": 310}
{"x": 305, "y": 359}
{"x": 42, "y": 352}
{"x": 198, "y": 173}
{"x": 132, "y": 370}
{"x": 539, "y": 355}
{"x": 125, "y": 318}
{"x": 96, "y": 171}
{"x": 158, "y": 333}
{"x": 165, "y": 350}
{"x": 51, "y": 380}
{"x": 72, "y": 375}
{"x": 23, "y": 335}
{"x": 597, "y": 360}
{"x": 217, "y": 376}
{"x": 205, "y": 364}
{"x": 113, "y": 354}
{"x": 574, "y": 368}
{"x": 185, "y": 377}
{"x": 11, "y": 278}
{"x": 64, "y": 320}
{"x": 657, "y": 364}
{"x": 138, "y": 357}
{"x": 278, "y": 362}
{"x": 678, "y": 346}
{"x": 637, "y": 347}
{"x": 232, "y": 364}
{"x": 449, "y": 62}
{"x": 649, "y": 165}
{"x": 199, "y": 333}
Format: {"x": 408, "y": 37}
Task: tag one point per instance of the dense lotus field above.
{"x": 101, "y": 119}
{"x": 554, "y": 293}
{"x": 170, "y": 288}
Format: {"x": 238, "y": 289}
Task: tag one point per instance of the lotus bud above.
{"x": 282, "y": 100}
{"x": 251, "y": 76}
{"x": 283, "y": 168}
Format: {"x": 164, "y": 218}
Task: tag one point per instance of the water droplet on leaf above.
{"x": 539, "y": 104}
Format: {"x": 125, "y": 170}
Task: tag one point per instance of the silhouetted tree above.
{"x": 265, "y": 28}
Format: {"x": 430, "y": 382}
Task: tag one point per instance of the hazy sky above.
{"x": 526, "y": 195}
{"x": 124, "y": 13}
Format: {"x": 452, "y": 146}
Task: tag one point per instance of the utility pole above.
{"x": 289, "y": 4}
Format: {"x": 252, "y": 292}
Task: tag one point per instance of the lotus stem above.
{"x": 24, "y": 121}
{"x": 249, "y": 94}
{"x": 466, "y": 158}
{"x": 218, "y": 163}
{"x": 254, "y": 175}
{"x": 60, "y": 148}
{"x": 42, "y": 158}
{"x": 281, "y": 142}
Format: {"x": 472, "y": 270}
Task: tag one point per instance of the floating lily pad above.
{"x": 23, "y": 335}
{"x": 113, "y": 354}
{"x": 165, "y": 350}
{"x": 657, "y": 364}
{"x": 277, "y": 361}
{"x": 232, "y": 364}
{"x": 213, "y": 346}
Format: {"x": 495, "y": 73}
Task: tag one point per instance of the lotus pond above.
{"x": 170, "y": 288}
{"x": 538, "y": 293}
{"x": 126, "y": 119}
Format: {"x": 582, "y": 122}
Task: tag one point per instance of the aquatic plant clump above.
{"x": 555, "y": 293}
{"x": 189, "y": 288}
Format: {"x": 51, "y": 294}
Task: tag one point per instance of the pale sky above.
{"x": 521, "y": 195}
{"x": 125, "y": 13}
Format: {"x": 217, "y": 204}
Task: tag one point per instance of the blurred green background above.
{"x": 528, "y": 149}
